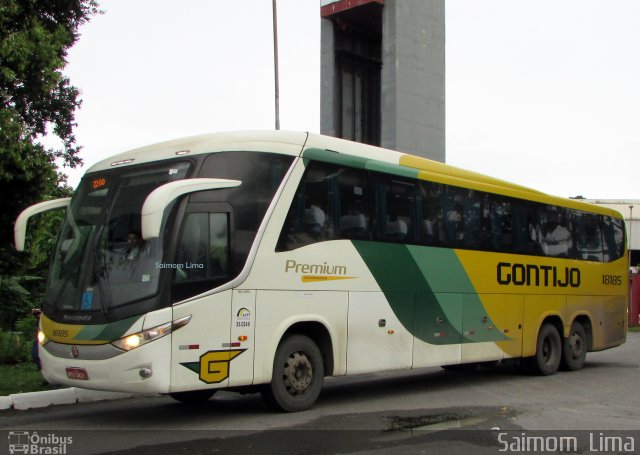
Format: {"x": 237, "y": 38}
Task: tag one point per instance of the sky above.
{"x": 543, "y": 93}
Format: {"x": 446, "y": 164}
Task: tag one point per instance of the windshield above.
{"x": 100, "y": 261}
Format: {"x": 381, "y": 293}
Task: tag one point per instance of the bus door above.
{"x": 203, "y": 350}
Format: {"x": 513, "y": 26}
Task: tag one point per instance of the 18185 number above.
{"x": 612, "y": 280}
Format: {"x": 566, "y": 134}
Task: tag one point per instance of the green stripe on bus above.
{"x": 395, "y": 169}
{"x": 409, "y": 294}
{"x": 419, "y": 282}
{"x": 89, "y": 333}
{"x": 106, "y": 332}
{"x": 328, "y": 156}
{"x": 442, "y": 268}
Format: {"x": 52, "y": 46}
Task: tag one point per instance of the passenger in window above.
{"x": 557, "y": 241}
{"x": 354, "y": 224}
{"x": 314, "y": 219}
{"x": 431, "y": 228}
{"x": 396, "y": 229}
{"x": 313, "y": 228}
{"x": 535, "y": 236}
{"x": 453, "y": 231}
{"x": 472, "y": 220}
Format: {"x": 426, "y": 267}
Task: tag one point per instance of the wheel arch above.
{"x": 585, "y": 321}
{"x": 312, "y": 326}
{"x": 319, "y": 334}
{"x": 556, "y": 321}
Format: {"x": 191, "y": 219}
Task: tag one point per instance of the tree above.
{"x": 36, "y": 99}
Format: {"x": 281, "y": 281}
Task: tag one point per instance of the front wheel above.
{"x": 574, "y": 348}
{"x": 298, "y": 373}
{"x": 548, "y": 352}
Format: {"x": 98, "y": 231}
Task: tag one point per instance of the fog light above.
{"x": 146, "y": 373}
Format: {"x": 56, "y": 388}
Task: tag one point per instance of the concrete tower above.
{"x": 383, "y": 73}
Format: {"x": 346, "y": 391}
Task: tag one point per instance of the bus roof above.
{"x": 295, "y": 143}
{"x": 289, "y": 143}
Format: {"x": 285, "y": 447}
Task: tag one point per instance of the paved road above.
{"x": 380, "y": 413}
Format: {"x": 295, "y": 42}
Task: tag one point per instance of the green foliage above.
{"x": 36, "y": 96}
{"x": 15, "y": 348}
{"x": 27, "y": 326}
{"x": 36, "y": 99}
{"x": 36, "y": 36}
{"x": 20, "y": 378}
{"x": 15, "y": 300}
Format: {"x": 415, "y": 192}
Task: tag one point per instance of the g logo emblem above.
{"x": 75, "y": 352}
{"x": 214, "y": 365}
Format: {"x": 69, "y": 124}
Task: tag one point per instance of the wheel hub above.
{"x": 575, "y": 345}
{"x": 298, "y": 373}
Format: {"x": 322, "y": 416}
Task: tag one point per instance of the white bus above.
{"x": 270, "y": 260}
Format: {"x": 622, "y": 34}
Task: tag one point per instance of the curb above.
{"x": 31, "y": 400}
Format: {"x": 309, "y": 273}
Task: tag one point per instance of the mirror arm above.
{"x": 20, "y": 228}
{"x": 160, "y": 198}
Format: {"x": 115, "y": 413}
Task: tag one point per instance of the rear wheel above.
{"x": 193, "y": 396}
{"x": 574, "y": 348}
{"x": 548, "y": 352}
{"x": 298, "y": 373}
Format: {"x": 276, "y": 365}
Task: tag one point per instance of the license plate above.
{"x": 77, "y": 373}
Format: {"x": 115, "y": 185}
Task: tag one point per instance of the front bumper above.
{"x": 115, "y": 373}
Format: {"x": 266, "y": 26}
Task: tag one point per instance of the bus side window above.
{"x": 619, "y": 235}
{"x": 453, "y": 213}
{"x": 313, "y": 211}
{"x": 202, "y": 256}
{"x": 474, "y": 220}
{"x": 521, "y": 229}
{"x": 588, "y": 237}
{"x": 556, "y": 237}
{"x": 502, "y": 234}
{"x": 192, "y": 247}
{"x": 432, "y": 213}
{"x": 395, "y": 209}
{"x": 613, "y": 233}
{"x": 352, "y": 205}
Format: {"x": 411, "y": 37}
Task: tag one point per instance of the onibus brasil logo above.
{"x": 30, "y": 442}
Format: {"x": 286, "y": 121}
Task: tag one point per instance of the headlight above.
{"x": 42, "y": 339}
{"x": 141, "y": 338}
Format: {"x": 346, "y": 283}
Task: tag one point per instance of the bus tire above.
{"x": 548, "y": 352}
{"x": 193, "y": 396}
{"x": 298, "y": 373}
{"x": 574, "y": 348}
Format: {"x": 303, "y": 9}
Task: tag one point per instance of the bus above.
{"x": 268, "y": 261}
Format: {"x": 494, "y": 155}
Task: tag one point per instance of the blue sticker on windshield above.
{"x": 87, "y": 299}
